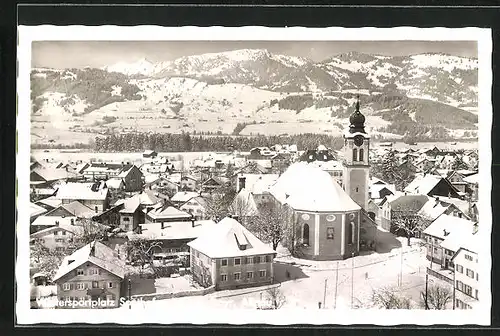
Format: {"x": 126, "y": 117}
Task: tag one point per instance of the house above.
{"x": 466, "y": 264}
{"x": 473, "y": 185}
{"x": 104, "y": 170}
{"x": 319, "y": 154}
{"x": 244, "y": 206}
{"x": 431, "y": 185}
{"x": 172, "y": 237}
{"x": 260, "y": 153}
{"x": 149, "y": 154}
{"x": 182, "y": 197}
{"x": 43, "y": 222}
{"x": 94, "y": 273}
{"x": 196, "y": 206}
{"x": 189, "y": 183}
{"x": 438, "y": 231}
{"x": 130, "y": 213}
{"x": 133, "y": 178}
{"x": 75, "y": 208}
{"x": 229, "y": 256}
{"x": 42, "y": 177}
{"x": 214, "y": 183}
{"x": 392, "y": 205}
{"x": 457, "y": 180}
{"x": 93, "y": 195}
{"x": 67, "y": 232}
{"x": 115, "y": 183}
{"x": 165, "y": 212}
{"x": 436, "y": 207}
{"x": 280, "y": 161}
{"x": 257, "y": 184}
{"x": 49, "y": 203}
{"x": 424, "y": 164}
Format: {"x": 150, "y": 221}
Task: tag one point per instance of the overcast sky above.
{"x": 97, "y": 54}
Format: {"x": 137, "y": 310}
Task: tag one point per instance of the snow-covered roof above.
{"x": 466, "y": 239}
{"x": 51, "y": 174}
{"x": 51, "y": 201}
{"x": 423, "y": 184}
{"x": 433, "y": 209}
{"x": 224, "y": 240}
{"x": 81, "y": 191}
{"x": 36, "y": 210}
{"x": 331, "y": 165}
{"x": 258, "y": 184}
{"x": 444, "y": 225}
{"x": 304, "y": 187}
{"x": 474, "y": 178}
{"x": 184, "y": 196}
{"x": 103, "y": 256}
{"x": 175, "y": 230}
{"x": 168, "y": 212}
{"x": 130, "y": 204}
{"x": 53, "y": 220}
{"x": 244, "y": 204}
{"x": 114, "y": 183}
{"x": 404, "y": 202}
{"x": 460, "y": 204}
{"x": 78, "y": 209}
{"x": 375, "y": 189}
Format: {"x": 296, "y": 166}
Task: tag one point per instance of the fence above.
{"x": 164, "y": 296}
{"x": 439, "y": 276}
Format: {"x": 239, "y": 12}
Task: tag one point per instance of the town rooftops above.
{"x": 258, "y": 184}
{"x": 130, "y": 204}
{"x": 226, "y": 239}
{"x": 423, "y": 184}
{"x": 444, "y": 225}
{"x": 51, "y": 174}
{"x": 462, "y": 239}
{"x": 77, "y": 209}
{"x": 304, "y": 187}
{"x": 401, "y": 202}
{"x": 96, "y": 253}
{"x": 433, "y": 209}
{"x": 51, "y": 201}
{"x": 166, "y": 211}
{"x": 244, "y": 204}
{"x": 174, "y": 230}
{"x": 45, "y": 220}
{"x": 114, "y": 183}
{"x": 81, "y": 191}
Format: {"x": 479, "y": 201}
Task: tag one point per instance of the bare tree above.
{"x": 87, "y": 231}
{"x": 141, "y": 250}
{"x": 405, "y": 219}
{"x": 437, "y": 297}
{"x": 242, "y": 208}
{"x": 388, "y": 298}
{"x": 219, "y": 202}
{"x": 43, "y": 259}
{"x": 276, "y": 297}
{"x": 273, "y": 223}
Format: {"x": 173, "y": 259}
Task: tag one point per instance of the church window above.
{"x": 355, "y": 154}
{"x": 305, "y": 234}
{"x": 361, "y": 154}
{"x": 329, "y": 232}
{"x": 350, "y": 233}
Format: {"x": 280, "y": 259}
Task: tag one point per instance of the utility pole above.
{"x": 401, "y": 271}
{"x": 324, "y": 294}
{"x": 426, "y": 291}
{"x": 352, "y": 282}
{"x": 454, "y": 289}
{"x": 336, "y": 285}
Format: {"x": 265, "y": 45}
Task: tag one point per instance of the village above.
{"x": 369, "y": 226}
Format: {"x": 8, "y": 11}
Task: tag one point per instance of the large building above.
{"x": 331, "y": 223}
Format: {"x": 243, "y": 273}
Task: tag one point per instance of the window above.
{"x": 460, "y": 285}
{"x": 237, "y": 261}
{"x": 94, "y": 271}
{"x": 268, "y": 258}
{"x": 63, "y": 233}
{"x": 477, "y": 294}
{"x": 350, "y": 233}
{"x": 329, "y": 232}
{"x": 468, "y": 257}
{"x": 95, "y": 284}
{"x": 126, "y": 219}
{"x": 355, "y": 154}
{"x": 223, "y": 277}
{"x": 459, "y": 268}
{"x": 467, "y": 289}
{"x": 249, "y": 275}
{"x": 80, "y": 286}
{"x": 110, "y": 285}
{"x": 66, "y": 286}
{"x": 224, "y": 262}
{"x": 305, "y": 234}
{"x": 262, "y": 273}
{"x": 59, "y": 249}
{"x": 59, "y": 240}
{"x": 256, "y": 260}
{"x": 79, "y": 271}
{"x": 435, "y": 250}
{"x": 470, "y": 273}
{"x": 477, "y": 277}
{"x": 250, "y": 260}
{"x": 96, "y": 208}
{"x": 361, "y": 154}
{"x": 237, "y": 276}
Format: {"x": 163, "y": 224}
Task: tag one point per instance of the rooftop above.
{"x": 81, "y": 191}
{"x": 175, "y": 230}
{"x": 444, "y": 225}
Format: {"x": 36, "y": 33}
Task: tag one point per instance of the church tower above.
{"x": 356, "y": 159}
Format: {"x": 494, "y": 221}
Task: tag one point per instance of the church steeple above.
{"x": 357, "y": 120}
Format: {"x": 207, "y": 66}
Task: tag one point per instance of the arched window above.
{"x": 350, "y": 233}
{"x": 305, "y": 234}
{"x": 354, "y": 154}
{"x": 361, "y": 153}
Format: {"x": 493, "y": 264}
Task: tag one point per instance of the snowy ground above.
{"x": 306, "y": 286}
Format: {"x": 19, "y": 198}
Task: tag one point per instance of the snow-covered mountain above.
{"x": 256, "y": 86}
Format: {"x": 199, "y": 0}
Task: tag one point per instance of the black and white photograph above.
{"x": 254, "y": 175}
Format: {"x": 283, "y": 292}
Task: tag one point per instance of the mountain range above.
{"x": 262, "y": 92}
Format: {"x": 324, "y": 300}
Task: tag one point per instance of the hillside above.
{"x": 258, "y": 92}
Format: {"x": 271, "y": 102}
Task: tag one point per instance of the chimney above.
{"x": 192, "y": 221}
{"x": 92, "y": 249}
{"x": 72, "y": 221}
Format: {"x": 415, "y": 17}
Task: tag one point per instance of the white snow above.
{"x": 445, "y": 62}
{"x": 142, "y": 66}
{"x": 116, "y": 90}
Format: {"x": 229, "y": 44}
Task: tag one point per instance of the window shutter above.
{"x": 256, "y": 260}
{"x": 71, "y": 287}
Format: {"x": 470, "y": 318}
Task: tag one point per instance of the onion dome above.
{"x": 357, "y": 120}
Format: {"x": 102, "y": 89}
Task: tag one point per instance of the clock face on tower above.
{"x": 358, "y": 140}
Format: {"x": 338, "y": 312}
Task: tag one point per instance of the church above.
{"x": 330, "y": 221}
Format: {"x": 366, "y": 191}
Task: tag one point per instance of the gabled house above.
{"x": 92, "y": 195}
{"x": 457, "y": 180}
{"x": 164, "y": 213}
{"x": 436, "y": 207}
{"x": 392, "y": 205}
{"x": 257, "y": 184}
{"x": 130, "y": 213}
{"x": 244, "y": 206}
{"x": 214, "y": 183}
{"x": 196, "y": 206}
{"x": 319, "y": 154}
{"x": 42, "y": 177}
{"x": 94, "y": 272}
{"x": 431, "y": 185}
{"x": 424, "y": 165}
{"x": 189, "y": 183}
{"x": 182, "y": 197}
{"x": 473, "y": 185}
{"x": 43, "y": 222}
{"x": 229, "y": 256}
{"x": 115, "y": 183}
{"x": 133, "y": 179}
{"x": 444, "y": 227}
